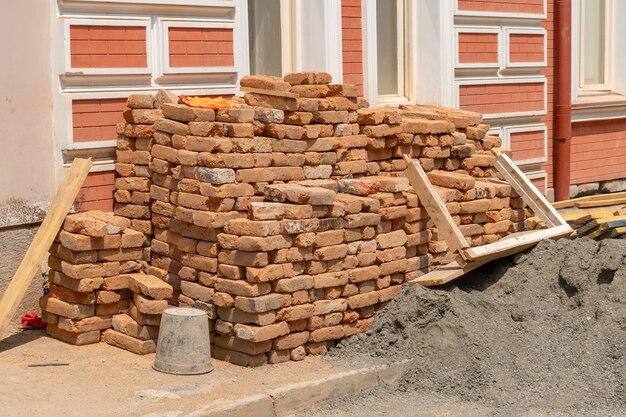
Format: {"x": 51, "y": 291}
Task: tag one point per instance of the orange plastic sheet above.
{"x": 206, "y": 102}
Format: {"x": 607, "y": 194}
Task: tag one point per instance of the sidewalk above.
{"x": 102, "y": 380}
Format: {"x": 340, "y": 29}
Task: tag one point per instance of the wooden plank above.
{"x": 286, "y": 94}
{"x": 573, "y": 201}
{"x": 529, "y": 193}
{"x": 42, "y": 241}
{"x": 446, "y": 273}
{"x": 613, "y": 233}
{"x": 583, "y": 230}
{"x": 601, "y": 203}
{"x": 435, "y": 207}
{"x": 512, "y": 246}
{"x": 454, "y": 270}
{"x": 606, "y": 226}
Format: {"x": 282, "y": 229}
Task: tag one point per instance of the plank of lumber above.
{"x": 605, "y": 226}
{"x": 436, "y": 209}
{"x": 613, "y": 233}
{"x": 529, "y": 193}
{"x": 572, "y": 202}
{"x": 454, "y": 270}
{"x": 583, "y": 230}
{"x": 61, "y": 204}
{"x": 601, "y": 203}
{"x": 597, "y": 232}
{"x": 620, "y": 211}
{"x": 515, "y": 244}
{"x": 446, "y": 273}
{"x": 287, "y": 94}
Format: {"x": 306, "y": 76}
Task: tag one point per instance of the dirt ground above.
{"x": 539, "y": 334}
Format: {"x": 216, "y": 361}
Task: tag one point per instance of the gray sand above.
{"x": 545, "y": 330}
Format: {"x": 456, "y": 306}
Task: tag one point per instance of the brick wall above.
{"x": 502, "y": 6}
{"x": 527, "y": 145}
{"x": 502, "y": 98}
{"x": 598, "y": 151}
{"x": 200, "y": 47}
{"x": 478, "y": 47}
{"x": 352, "y": 38}
{"x": 97, "y": 192}
{"x": 525, "y": 47}
{"x": 108, "y": 46}
{"x": 95, "y": 119}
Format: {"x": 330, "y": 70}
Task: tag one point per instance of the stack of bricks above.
{"x": 291, "y": 222}
{"x": 137, "y": 330}
{"x": 455, "y": 150}
{"x": 135, "y": 139}
{"x": 91, "y": 261}
{"x": 288, "y": 218}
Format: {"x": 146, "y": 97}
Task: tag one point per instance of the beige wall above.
{"x": 26, "y": 140}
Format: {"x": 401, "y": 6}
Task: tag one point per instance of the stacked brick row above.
{"x": 135, "y": 140}
{"x": 91, "y": 262}
{"x": 288, "y": 219}
{"x": 460, "y": 164}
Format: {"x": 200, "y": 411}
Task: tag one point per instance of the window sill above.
{"x": 598, "y": 106}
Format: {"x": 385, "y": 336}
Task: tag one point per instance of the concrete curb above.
{"x": 290, "y": 399}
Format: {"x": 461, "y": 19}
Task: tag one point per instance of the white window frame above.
{"x": 477, "y": 65}
{"x": 113, "y": 21}
{"x": 165, "y": 69}
{"x": 486, "y": 81}
{"x": 506, "y": 141}
{"x": 429, "y": 66}
{"x": 525, "y": 31}
{"x": 402, "y": 67}
{"x": 300, "y": 51}
{"x": 608, "y": 48}
{"x": 405, "y": 36}
{"x": 481, "y": 14}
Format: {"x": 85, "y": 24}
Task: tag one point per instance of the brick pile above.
{"x": 91, "y": 262}
{"x": 288, "y": 218}
{"x": 135, "y": 139}
{"x": 455, "y": 150}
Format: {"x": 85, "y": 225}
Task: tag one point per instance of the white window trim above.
{"x": 477, "y": 29}
{"x": 430, "y": 67}
{"x": 113, "y": 21}
{"x": 405, "y": 16}
{"x": 296, "y": 53}
{"x": 486, "y": 81}
{"x": 506, "y": 141}
{"x": 477, "y": 13}
{"x": 608, "y": 48}
{"x": 165, "y": 68}
{"x": 525, "y": 31}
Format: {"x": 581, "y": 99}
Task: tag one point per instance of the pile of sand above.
{"x": 545, "y": 330}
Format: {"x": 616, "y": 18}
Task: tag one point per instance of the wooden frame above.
{"x": 472, "y": 258}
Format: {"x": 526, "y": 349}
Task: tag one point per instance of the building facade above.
{"x": 70, "y": 64}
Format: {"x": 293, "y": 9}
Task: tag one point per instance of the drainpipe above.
{"x": 563, "y": 100}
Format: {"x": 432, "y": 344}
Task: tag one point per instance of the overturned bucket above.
{"x": 183, "y": 347}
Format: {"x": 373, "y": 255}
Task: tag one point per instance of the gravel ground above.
{"x": 539, "y": 334}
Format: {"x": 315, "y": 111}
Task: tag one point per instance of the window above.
{"x": 390, "y": 44}
{"x": 595, "y": 45}
{"x": 264, "y": 32}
